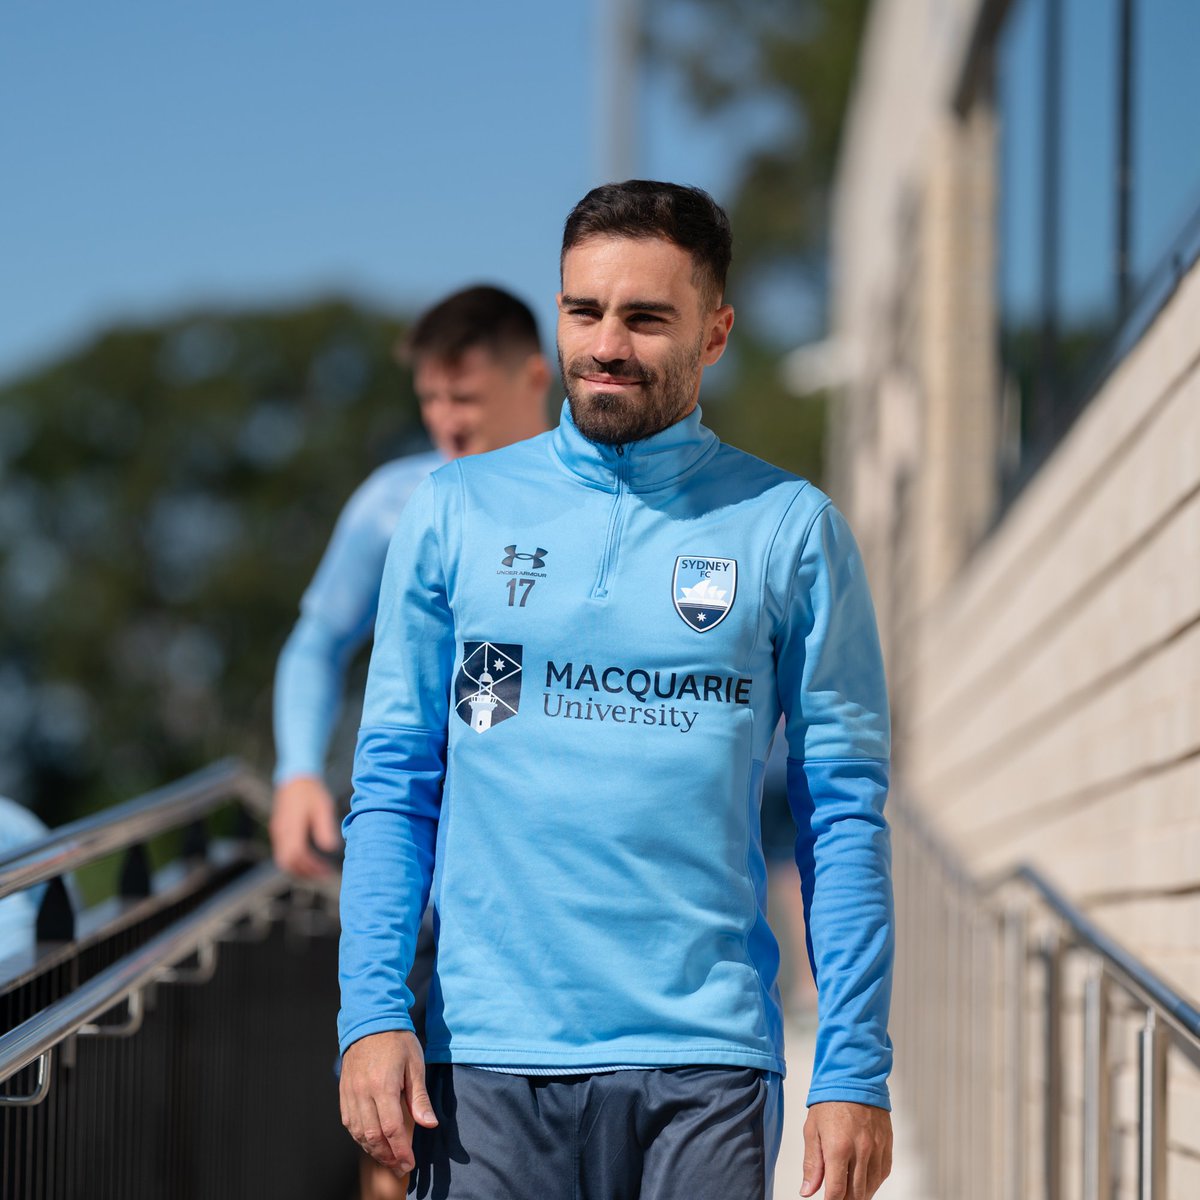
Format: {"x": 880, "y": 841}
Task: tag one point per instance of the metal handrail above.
{"x": 34, "y": 1038}
{"x": 1125, "y": 969}
{"x": 134, "y": 1032}
{"x": 965, "y": 913}
{"x": 71, "y": 846}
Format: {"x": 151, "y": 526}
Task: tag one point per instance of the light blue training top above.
{"x": 337, "y": 613}
{"x": 581, "y": 656}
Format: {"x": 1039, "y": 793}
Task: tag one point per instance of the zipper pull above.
{"x": 621, "y": 451}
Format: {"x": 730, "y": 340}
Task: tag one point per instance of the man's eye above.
{"x": 645, "y": 319}
{"x": 584, "y": 312}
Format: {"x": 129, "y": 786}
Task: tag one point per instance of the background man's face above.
{"x": 479, "y": 401}
{"x": 634, "y": 336}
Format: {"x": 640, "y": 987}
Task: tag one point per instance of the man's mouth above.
{"x": 611, "y": 382}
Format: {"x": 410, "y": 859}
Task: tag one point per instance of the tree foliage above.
{"x": 167, "y": 492}
{"x": 780, "y": 73}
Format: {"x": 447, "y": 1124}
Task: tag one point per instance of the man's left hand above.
{"x": 849, "y": 1147}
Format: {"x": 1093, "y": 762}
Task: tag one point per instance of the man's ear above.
{"x": 719, "y": 325}
{"x": 537, "y": 372}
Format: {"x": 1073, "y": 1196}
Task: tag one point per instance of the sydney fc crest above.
{"x": 487, "y": 688}
{"x": 703, "y": 590}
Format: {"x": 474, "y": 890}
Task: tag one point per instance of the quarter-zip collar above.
{"x": 654, "y": 462}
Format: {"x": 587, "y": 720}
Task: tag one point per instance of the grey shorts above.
{"x": 676, "y": 1133}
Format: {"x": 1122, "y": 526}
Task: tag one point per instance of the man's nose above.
{"x": 612, "y": 342}
{"x": 458, "y": 417}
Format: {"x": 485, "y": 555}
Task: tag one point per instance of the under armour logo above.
{"x": 536, "y": 560}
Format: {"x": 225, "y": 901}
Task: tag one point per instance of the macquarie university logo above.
{"x": 487, "y": 688}
{"x": 703, "y": 590}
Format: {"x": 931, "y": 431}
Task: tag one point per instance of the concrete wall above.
{"x": 1044, "y": 662}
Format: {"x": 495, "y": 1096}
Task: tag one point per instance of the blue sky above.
{"x": 159, "y": 156}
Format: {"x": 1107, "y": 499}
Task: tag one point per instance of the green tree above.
{"x": 167, "y": 492}
{"x": 776, "y": 76}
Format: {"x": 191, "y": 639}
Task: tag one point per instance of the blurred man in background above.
{"x": 481, "y": 380}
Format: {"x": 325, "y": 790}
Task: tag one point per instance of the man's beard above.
{"x": 614, "y": 418}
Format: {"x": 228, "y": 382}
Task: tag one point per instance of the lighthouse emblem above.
{"x": 487, "y": 689}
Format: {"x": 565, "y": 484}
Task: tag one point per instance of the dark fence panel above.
{"x": 226, "y": 1091}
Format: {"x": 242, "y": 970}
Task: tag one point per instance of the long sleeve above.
{"x": 308, "y": 692}
{"x": 399, "y": 767}
{"x": 834, "y": 697}
{"x": 336, "y": 615}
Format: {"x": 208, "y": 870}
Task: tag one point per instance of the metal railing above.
{"x": 1001, "y": 987}
{"x": 178, "y": 1040}
{"x": 178, "y": 805}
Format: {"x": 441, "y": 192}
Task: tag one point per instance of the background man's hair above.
{"x": 484, "y": 316}
{"x": 646, "y": 208}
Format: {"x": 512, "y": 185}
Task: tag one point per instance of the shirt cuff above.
{"x": 876, "y": 1097}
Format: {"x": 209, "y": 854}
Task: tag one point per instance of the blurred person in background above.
{"x": 582, "y": 655}
{"x": 481, "y": 379}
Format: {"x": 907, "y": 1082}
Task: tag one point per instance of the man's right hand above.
{"x": 303, "y": 808}
{"x": 383, "y": 1094}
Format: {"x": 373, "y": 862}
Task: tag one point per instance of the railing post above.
{"x": 985, "y": 1008}
{"x": 964, "y": 1050}
{"x": 953, "y": 1105}
{"x": 998, "y": 1101}
{"x": 41, "y": 1089}
{"x": 1152, "y": 1110}
{"x": 1015, "y": 936}
{"x": 931, "y": 1017}
{"x": 1051, "y": 952}
{"x": 56, "y": 913}
{"x": 136, "y": 882}
{"x": 1096, "y": 1124}
{"x": 948, "y": 1098}
{"x": 977, "y": 1064}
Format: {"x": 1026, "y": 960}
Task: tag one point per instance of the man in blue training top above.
{"x": 481, "y": 380}
{"x": 584, "y": 645}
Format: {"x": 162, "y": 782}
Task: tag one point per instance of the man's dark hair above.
{"x": 483, "y": 316}
{"x": 645, "y": 208}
